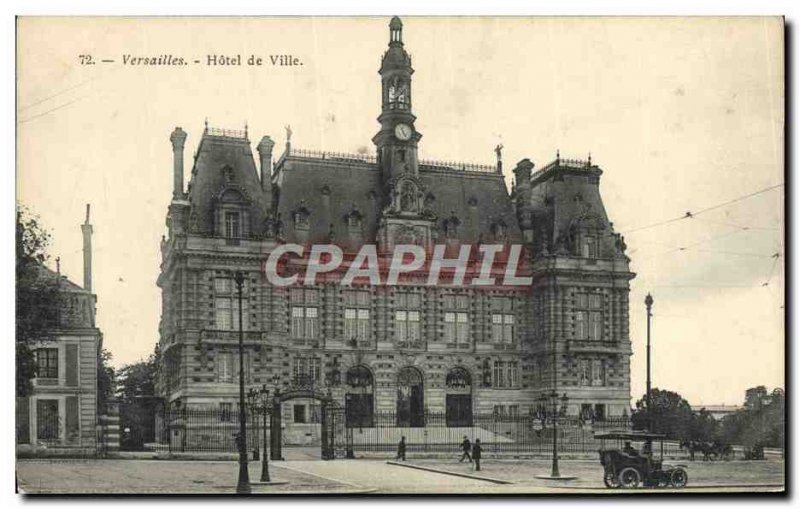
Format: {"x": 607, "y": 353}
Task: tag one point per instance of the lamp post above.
{"x": 552, "y": 396}
{"x": 243, "y": 486}
{"x": 252, "y": 403}
{"x": 648, "y": 302}
{"x": 260, "y": 402}
{"x": 550, "y": 400}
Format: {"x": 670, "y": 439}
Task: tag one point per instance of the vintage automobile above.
{"x": 625, "y": 467}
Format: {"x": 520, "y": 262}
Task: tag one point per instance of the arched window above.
{"x": 359, "y": 400}
{"x": 458, "y": 410}
{"x": 410, "y": 398}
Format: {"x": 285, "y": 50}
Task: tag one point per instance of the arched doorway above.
{"x": 410, "y": 398}
{"x": 358, "y": 400}
{"x": 458, "y": 398}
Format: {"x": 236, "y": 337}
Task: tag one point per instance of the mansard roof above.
{"x": 224, "y": 163}
{"x": 330, "y": 186}
{"x": 565, "y": 196}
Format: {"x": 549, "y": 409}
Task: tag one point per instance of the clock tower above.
{"x": 397, "y": 139}
{"x": 404, "y": 218}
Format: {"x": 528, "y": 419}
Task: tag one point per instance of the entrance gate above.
{"x": 332, "y": 424}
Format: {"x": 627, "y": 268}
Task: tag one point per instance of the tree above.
{"x": 760, "y": 423}
{"x": 106, "y": 381}
{"x": 671, "y": 414}
{"x": 136, "y": 391}
{"x": 37, "y": 301}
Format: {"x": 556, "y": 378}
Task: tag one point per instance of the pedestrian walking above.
{"x": 466, "y": 447}
{"x": 401, "y": 449}
{"x": 476, "y": 453}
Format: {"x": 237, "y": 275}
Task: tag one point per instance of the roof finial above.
{"x": 590, "y": 158}
{"x": 206, "y": 123}
{"x": 558, "y": 156}
{"x": 245, "y": 130}
{"x": 58, "y": 265}
{"x": 396, "y": 31}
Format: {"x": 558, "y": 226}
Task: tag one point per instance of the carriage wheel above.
{"x": 679, "y": 478}
{"x": 610, "y": 480}
{"x": 629, "y": 478}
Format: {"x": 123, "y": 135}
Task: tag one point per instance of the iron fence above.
{"x": 214, "y": 430}
{"x": 204, "y": 430}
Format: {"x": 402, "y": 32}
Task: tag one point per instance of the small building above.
{"x": 717, "y": 411}
{"x": 61, "y": 411}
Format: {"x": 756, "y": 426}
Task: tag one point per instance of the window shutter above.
{"x": 72, "y": 422}
{"x": 23, "y": 420}
{"x": 72, "y": 365}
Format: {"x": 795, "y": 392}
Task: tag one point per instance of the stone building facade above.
{"x": 60, "y": 414}
{"x": 405, "y": 348}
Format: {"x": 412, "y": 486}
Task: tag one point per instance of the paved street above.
{"x": 304, "y": 476}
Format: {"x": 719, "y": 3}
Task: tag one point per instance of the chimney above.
{"x": 86, "y": 228}
{"x": 265, "y": 152}
{"x": 522, "y": 175}
{"x": 178, "y": 138}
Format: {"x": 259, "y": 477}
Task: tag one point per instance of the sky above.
{"x": 683, "y": 115}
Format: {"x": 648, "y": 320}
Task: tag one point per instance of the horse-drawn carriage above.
{"x": 625, "y": 467}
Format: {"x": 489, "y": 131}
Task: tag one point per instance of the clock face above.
{"x": 403, "y": 131}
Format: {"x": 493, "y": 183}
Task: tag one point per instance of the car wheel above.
{"x": 610, "y": 480}
{"x": 629, "y": 478}
{"x": 679, "y": 478}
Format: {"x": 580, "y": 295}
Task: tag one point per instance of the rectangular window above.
{"x": 47, "y": 362}
{"x": 450, "y": 327}
{"x": 584, "y": 372}
{"x": 306, "y": 370}
{"x": 499, "y": 410}
{"x": 300, "y": 414}
{"x": 357, "y": 315}
{"x": 590, "y": 247}
{"x": 226, "y": 412}
{"x": 598, "y": 372}
{"x": 401, "y": 325}
{"x": 462, "y": 327}
{"x": 502, "y": 328}
{"x": 224, "y": 366}
{"x": 304, "y": 322}
{"x": 233, "y": 227}
{"x": 589, "y": 316}
{"x": 47, "y": 419}
{"x": 406, "y": 318}
{"x": 226, "y": 305}
{"x": 513, "y": 411}
{"x": 505, "y": 374}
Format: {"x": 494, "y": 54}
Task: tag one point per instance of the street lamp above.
{"x": 243, "y": 486}
{"x": 252, "y": 394}
{"x": 551, "y": 400}
{"x": 648, "y": 302}
{"x": 259, "y": 403}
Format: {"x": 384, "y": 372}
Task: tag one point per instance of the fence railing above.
{"x": 214, "y": 430}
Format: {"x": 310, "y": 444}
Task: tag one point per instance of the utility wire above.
{"x": 690, "y": 214}
{"x": 49, "y": 111}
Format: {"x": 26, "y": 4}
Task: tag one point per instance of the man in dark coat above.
{"x": 401, "y": 449}
{"x": 465, "y": 447}
{"x": 476, "y": 453}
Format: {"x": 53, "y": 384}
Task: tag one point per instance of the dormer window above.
{"x": 301, "y": 218}
{"x": 451, "y": 226}
{"x": 233, "y": 224}
{"x": 590, "y": 248}
{"x": 231, "y": 214}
